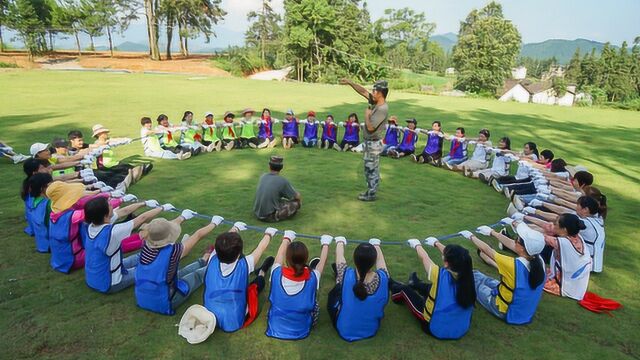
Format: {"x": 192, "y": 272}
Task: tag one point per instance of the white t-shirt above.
{"x": 293, "y": 287}
{"x": 227, "y": 269}
{"x": 480, "y": 151}
{"x": 119, "y": 232}
{"x": 500, "y": 165}
{"x": 149, "y": 140}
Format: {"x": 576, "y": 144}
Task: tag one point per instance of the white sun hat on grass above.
{"x": 197, "y": 324}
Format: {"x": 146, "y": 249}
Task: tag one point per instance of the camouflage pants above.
{"x": 372, "y": 151}
{"x": 287, "y": 209}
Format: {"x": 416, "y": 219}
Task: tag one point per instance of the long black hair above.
{"x": 571, "y": 223}
{"x": 186, "y": 113}
{"x": 536, "y": 268}
{"x": 30, "y": 167}
{"x": 507, "y": 142}
{"x": 601, "y": 198}
{"x": 364, "y": 258}
{"x": 355, "y": 116}
{"x": 558, "y": 165}
{"x": 460, "y": 263}
{"x": 534, "y": 148}
{"x": 37, "y": 184}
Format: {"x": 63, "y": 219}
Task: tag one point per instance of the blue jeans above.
{"x": 486, "y": 288}
{"x": 451, "y": 161}
{"x": 193, "y": 274}
{"x": 129, "y": 264}
{"x": 309, "y": 143}
{"x": 527, "y": 198}
{"x": 386, "y": 148}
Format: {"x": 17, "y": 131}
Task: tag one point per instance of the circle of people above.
{"x": 77, "y": 209}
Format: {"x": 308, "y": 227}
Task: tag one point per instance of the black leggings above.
{"x": 331, "y": 142}
{"x": 413, "y": 297}
{"x": 259, "y": 281}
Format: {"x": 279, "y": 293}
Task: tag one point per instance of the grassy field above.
{"x": 49, "y": 315}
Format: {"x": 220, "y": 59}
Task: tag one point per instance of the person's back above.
{"x": 268, "y": 194}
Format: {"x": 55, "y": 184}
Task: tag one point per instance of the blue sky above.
{"x": 599, "y": 20}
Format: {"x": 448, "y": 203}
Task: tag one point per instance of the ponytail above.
{"x": 598, "y": 196}
{"x": 536, "y": 272}
{"x": 297, "y": 256}
{"x": 571, "y": 223}
{"x": 364, "y": 258}
{"x": 460, "y": 263}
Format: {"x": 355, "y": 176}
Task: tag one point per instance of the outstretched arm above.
{"x": 358, "y": 88}
{"x": 324, "y": 254}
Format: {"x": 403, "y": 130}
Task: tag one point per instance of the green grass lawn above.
{"x": 47, "y": 314}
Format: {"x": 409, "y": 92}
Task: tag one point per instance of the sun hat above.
{"x": 64, "y": 195}
{"x": 229, "y": 114}
{"x": 98, "y": 129}
{"x": 290, "y": 112}
{"x": 160, "y": 232}
{"x": 37, "y": 147}
{"x": 533, "y": 240}
{"x": 248, "y": 110}
{"x": 197, "y": 324}
{"x": 208, "y": 113}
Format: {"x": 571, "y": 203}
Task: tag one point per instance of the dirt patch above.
{"x": 134, "y": 62}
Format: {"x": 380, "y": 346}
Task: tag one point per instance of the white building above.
{"x": 515, "y": 91}
{"x": 519, "y": 73}
{"x": 524, "y": 91}
{"x": 450, "y": 71}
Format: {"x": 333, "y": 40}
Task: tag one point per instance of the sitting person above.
{"x": 152, "y": 146}
{"x": 351, "y": 138}
{"x": 392, "y": 136}
{"x": 499, "y": 166}
{"x": 480, "y": 157}
{"x": 529, "y": 152}
{"x": 168, "y": 135}
{"x": 445, "y": 305}
{"x": 294, "y": 285}
{"x": 290, "y": 132}
{"x": 38, "y": 209}
{"x": 329, "y": 134}
{"x": 458, "y": 151}
{"x": 210, "y": 132}
{"x": 229, "y": 138}
{"x": 160, "y": 285}
{"x": 432, "y": 152}
{"x": 58, "y": 165}
{"x": 357, "y": 301}
{"x": 248, "y": 136}
{"x": 105, "y": 269}
{"x": 228, "y": 294}
{"x": 191, "y": 137}
{"x": 76, "y": 142}
{"x": 7, "y": 152}
{"x": 515, "y": 297}
{"x": 310, "y": 137}
{"x": 409, "y": 140}
{"x": 265, "y": 130}
{"x": 60, "y": 154}
{"x": 276, "y": 199}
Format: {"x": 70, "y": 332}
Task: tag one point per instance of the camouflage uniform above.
{"x": 286, "y": 210}
{"x": 372, "y": 151}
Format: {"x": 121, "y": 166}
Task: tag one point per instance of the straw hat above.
{"x": 160, "y": 232}
{"x": 248, "y": 110}
{"x": 64, "y": 195}
{"x": 197, "y": 324}
{"x": 98, "y": 129}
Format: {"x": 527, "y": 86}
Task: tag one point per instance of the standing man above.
{"x": 276, "y": 199}
{"x": 375, "y": 116}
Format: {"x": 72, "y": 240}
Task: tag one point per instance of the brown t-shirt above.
{"x": 379, "y": 115}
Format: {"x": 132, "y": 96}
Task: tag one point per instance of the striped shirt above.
{"x": 147, "y": 255}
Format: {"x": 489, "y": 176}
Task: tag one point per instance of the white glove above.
{"x": 518, "y": 216}
{"x": 431, "y": 241}
{"x": 217, "y": 220}
{"x": 89, "y": 178}
{"x": 374, "y": 242}
{"x": 151, "y": 204}
{"x": 86, "y": 162}
{"x": 188, "y": 214}
{"x": 535, "y": 203}
{"x": 290, "y": 234}
{"x": 507, "y": 221}
{"x": 240, "y": 226}
{"x": 99, "y": 185}
{"x": 271, "y": 231}
{"x": 452, "y": 137}
{"x": 529, "y": 210}
{"x": 195, "y": 127}
{"x": 341, "y": 239}
{"x": 471, "y": 142}
{"x": 106, "y": 189}
{"x": 484, "y": 230}
{"x": 466, "y": 234}
{"x": 393, "y": 126}
{"x": 544, "y": 190}
{"x": 413, "y": 243}
{"x": 304, "y": 121}
{"x": 117, "y": 194}
{"x": 341, "y": 123}
{"x": 168, "y": 207}
{"x": 326, "y": 240}
{"x": 86, "y": 172}
{"x": 129, "y": 197}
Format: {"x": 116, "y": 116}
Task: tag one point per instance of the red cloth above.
{"x": 455, "y": 147}
{"x": 597, "y": 304}
{"x": 252, "y": 305}
{"x": 267, "y": 125}
{"x": 290, "y": 274}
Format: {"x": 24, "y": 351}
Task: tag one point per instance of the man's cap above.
{"x": 381, "y": 85}
{"x": 229, "y": 114}
{"x": 276, "y": 160}
{"x": 311, "y": 113}
{"x": 413, "y": 121}
{"x": 37, "y": 147}
{"x": 533, "y": 240}
{"x": 208, "y": 113}
{"x": 290, "y": 112}
{"x": 59, "y": 142}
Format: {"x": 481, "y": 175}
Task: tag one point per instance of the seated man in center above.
{"x": 276, "y": 199}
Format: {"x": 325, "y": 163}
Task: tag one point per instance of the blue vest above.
{"x": 409, "y": 140}
{"x": 524, "y": 300}
{"x": 226, "y": 296}
{"x": 351, "y": 132}
{"x": 391, "y": 137}
{"x": 37, "y": 218}
{"x": 458, "y": 149}
{"x": 291, "y": 316}
{"x": 152, "y": 291}
{"x": 62, "y": 255}
{"x": 447, "y": 319}
{"x": 360, "y": 319}
{"x": 97, "y": 263}
{"x": 27, "y": 216}
{"x": 311, "y": 131}
{"x": 434, "y": 145}
{"x": 290, "y": 128}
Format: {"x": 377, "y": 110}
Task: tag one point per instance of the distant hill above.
{"x": 132, "y": 47}
{"x": 562, "y": 49}
{"x": 446, "y": 41}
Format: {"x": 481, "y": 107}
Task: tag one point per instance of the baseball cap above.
{"x": 311, "y": 113}
{"x": 289, "y": 112}
{"x": 276, "y": 160}
{"x": 59, "y": 142}
{"x": 37, "y": 147}
{"x": 533, "y": 240}
{"x": 381, "y": 85}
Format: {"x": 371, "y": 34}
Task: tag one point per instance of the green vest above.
{"x": 229, "y": 133}
{"x": 210, "y": 134}
{"x": 69, "y": 170}
{"x": 248, "y": 131}
{"x": 188, "y": 137}
{"x": 108, "y": 159}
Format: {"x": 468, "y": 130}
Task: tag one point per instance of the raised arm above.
{"x": 189, "y": 242}
{"x": 146, "y": 216}
{"x": 340, "y": 243}
{"x": 262, "y": 245}
{"x": 324, "y": 254}
{"x": 358, "y": 88}
{"x": 129, "y": 209}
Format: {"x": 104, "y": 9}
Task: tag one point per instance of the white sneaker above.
{"x": 18, "y": 158}
{"x": 184, "y": 155}
{"x": 229, "y": 145}
{"x": 272, "y": 144}
{"x": 211, "y": 147}
{"x": 336, "y": 147}
{"x": 253, "y": 146}
{"x": 518, "y": 203}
